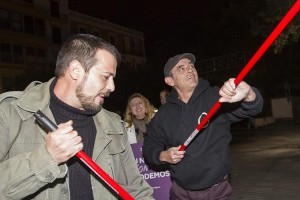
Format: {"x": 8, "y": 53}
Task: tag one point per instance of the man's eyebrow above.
{"x": 109, "y": 73}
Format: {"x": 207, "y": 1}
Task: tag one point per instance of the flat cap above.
{"x": 174, "y": 60}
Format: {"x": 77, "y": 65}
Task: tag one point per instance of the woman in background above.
{"x": 138, "y": 114}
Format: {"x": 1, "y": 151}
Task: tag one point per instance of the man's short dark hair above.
{"x": 82, "y": 47}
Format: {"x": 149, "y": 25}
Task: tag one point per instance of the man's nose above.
{"x": 189, "y": 68}
{"x": 111, "y": 84}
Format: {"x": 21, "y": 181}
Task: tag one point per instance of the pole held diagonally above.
{"x": 50, "y": 126}
{"x": 278, "y": 29}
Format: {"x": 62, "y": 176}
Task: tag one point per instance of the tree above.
{"x": 269, "y": 18}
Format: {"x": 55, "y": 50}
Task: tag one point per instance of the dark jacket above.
{"x": 207, "y": 158}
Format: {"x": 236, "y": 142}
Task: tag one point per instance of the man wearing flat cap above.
{"x": 201, "y": 171}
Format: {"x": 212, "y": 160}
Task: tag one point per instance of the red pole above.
{"x": 103, "y": 175}
{"x": 50, "y": 126}
{"x": 282, "y": 24}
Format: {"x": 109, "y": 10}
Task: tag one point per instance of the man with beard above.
{"x": 35, "y": 164}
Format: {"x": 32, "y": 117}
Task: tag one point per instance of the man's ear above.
{"x": 169, "y": 81}
{"x": 75, "y": 70}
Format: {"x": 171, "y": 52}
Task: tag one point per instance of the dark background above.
{"x": 206, "y": 29}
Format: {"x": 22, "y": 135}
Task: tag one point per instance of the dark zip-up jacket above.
{"x": 207, "y": 159}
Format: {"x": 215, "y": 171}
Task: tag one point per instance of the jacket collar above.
{"x": 35, "y": 97}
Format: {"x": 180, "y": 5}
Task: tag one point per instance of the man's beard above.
{"x": 87, "y": 102}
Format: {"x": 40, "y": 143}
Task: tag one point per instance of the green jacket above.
{"x": 26, "y": 167}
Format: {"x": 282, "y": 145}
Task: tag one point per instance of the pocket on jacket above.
{"x": 117, "y": 144}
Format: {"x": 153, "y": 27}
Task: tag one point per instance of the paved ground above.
{"x": 266, "y": 162}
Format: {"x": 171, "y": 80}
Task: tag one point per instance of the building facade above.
{"x": 32, "y": 31}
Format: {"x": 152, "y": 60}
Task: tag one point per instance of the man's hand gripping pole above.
{"x": 50, "y": 126}
{"x": 282, "y": 24}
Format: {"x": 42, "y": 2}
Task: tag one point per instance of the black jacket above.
{"x": 207, "y": 158}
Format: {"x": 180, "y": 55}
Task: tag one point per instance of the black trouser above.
{"x": 220, "y": 191}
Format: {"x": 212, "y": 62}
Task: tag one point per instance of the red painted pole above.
{"x": 282, "y": 24}
{"x": 50, "y": 126}
{"x": 103, "y": 175}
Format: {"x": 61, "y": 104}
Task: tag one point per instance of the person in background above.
{"x": 139, "y": 111}
{"x": 201, "y": 171}
{"x": 163, "y": 96}
{"x": 36, "y": 164}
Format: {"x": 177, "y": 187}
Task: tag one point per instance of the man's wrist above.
{"x": 162, "y": 156}
{"x": 250, "y": 96}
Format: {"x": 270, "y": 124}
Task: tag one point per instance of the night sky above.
{"x": 167, "y": 25}
{"x": 208, "y": 29}
{"x": 204, "y": 27}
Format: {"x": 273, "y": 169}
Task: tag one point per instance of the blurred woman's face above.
{"x": 138, "y": 107}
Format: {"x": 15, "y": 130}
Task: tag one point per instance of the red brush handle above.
{"x": 106, "y": 178}
{"x": 282, "y": 24}
{"x": 50, "y": 126}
